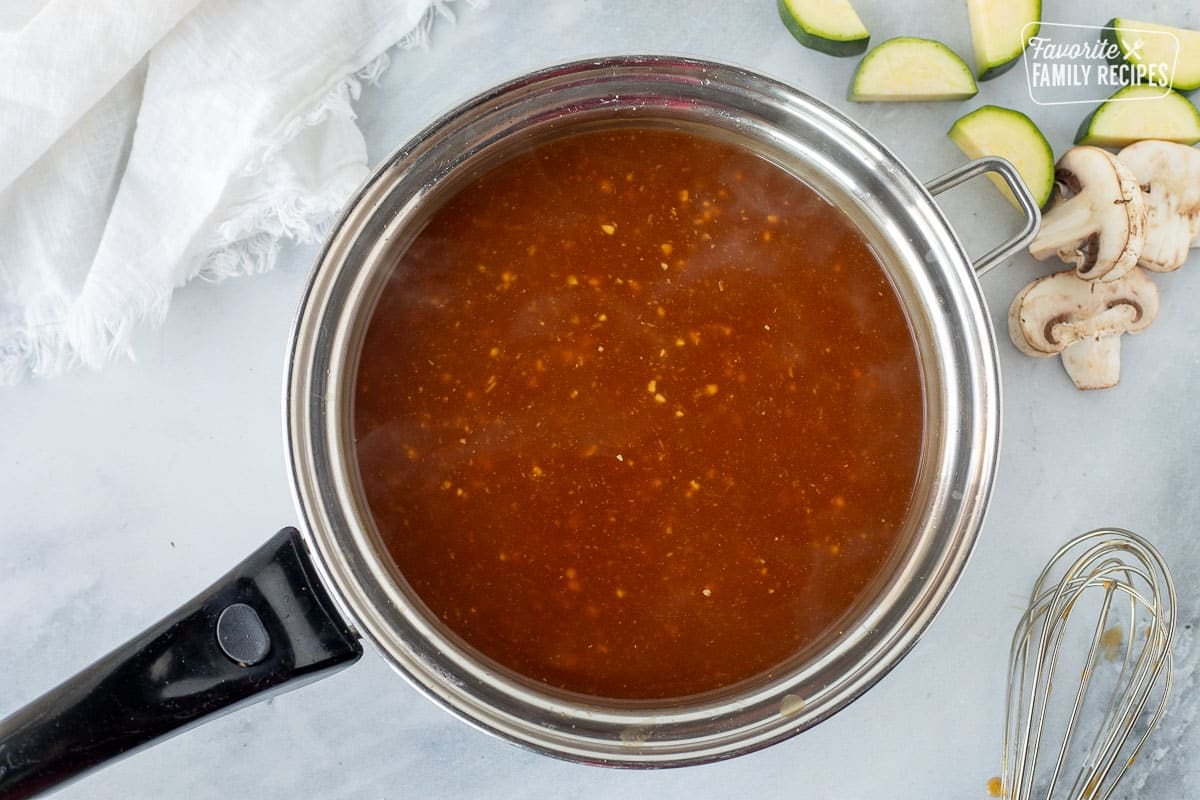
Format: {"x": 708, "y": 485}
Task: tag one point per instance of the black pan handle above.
{"x": 267, "y": 626}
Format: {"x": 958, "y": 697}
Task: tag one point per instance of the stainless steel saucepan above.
{"x": 298, "y": 608}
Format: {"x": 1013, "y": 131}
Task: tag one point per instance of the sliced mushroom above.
{"x": 1169, "y": 176}
{"x": 1097, "y": 218}
{"x": 1083, "y": 321}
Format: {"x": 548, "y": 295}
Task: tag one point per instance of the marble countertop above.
{"x": 127, "y": 491}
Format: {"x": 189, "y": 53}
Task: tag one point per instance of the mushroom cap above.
{"x": 1097, "y": 219}
{"x": 1057, "y": 310}
{"x": 1169, "y": 176}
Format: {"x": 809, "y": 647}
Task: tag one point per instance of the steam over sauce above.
{"x": 638, "y": 414}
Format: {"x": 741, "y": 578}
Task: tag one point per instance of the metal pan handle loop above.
{"x": 1008, "y": 173}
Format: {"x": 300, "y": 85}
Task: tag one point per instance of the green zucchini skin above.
{"x": 999, "y": 69}
{"x": 1011, "y": 134}
{"x": 867, "y": 79}
{"x": 842, "y": 48}
{"x": 1110, "y": 37}
{"x": 1111, "y": 40}
{"x": 1030, "y": 10}
{"x": 1085, "y": 127}
{"x": 1084, "y": 132}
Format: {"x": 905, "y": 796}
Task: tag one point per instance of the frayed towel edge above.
{"x": 66, "y": 333}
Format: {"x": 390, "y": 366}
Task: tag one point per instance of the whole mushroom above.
{"x": 1169, "y": 176}
{"x": 1083, "y": 321}
{"x": 1097, "y": 218}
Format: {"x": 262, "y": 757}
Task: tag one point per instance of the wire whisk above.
{"x": 1090, "y": 668}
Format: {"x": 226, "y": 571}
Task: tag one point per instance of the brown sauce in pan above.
{"x": 638, "y": 414}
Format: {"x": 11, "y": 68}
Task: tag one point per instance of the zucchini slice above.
{"x": 1185, "y": 56}
{"x": 998, "y": 131}
{"x": 1141, "y": 112}
{"x": 1000, "y": 32}
{"x": 908, "y": 68}
{"x": 831, "y": 26}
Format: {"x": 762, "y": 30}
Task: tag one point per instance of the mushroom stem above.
{"x": 1083, "y": 320}
{"x": 1094, "y": 363}
{"x": 1097, "y": 221}
{"x": 1061, "y": 230}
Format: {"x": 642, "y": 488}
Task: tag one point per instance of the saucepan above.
{"x": 300, "y": 607}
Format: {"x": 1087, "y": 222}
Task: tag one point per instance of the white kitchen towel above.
{"x": 144, "y": 143}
